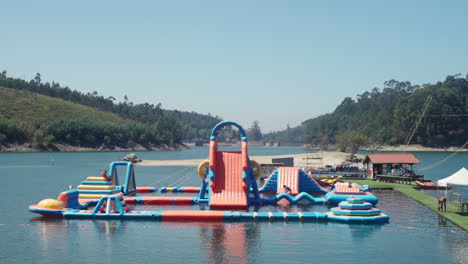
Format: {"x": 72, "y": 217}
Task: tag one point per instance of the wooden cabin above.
{"x": 392, "y": 167}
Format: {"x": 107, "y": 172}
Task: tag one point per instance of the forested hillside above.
{"x": 386, "y": 116}
{"x": 46, "y": 113}
{"x": 23, "y": 107}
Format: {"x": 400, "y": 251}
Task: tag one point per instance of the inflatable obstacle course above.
{"x": 230, "y": 173}
{"x": 93, "y": 188}
{"x": 356, "y": 210}
{"x": 186, "y": 189}
{"x": 227, "y": 191}
{"x": 294, "y": 178}
{"x": 343, "y": 191}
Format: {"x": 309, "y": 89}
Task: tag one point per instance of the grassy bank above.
{"x": 452, "y": 214}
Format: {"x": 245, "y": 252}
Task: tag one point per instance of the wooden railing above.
{"x": 394, "y": 179}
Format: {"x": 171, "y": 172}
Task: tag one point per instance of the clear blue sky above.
{"x": 277, "y": 62}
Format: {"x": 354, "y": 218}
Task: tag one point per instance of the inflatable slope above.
{"x": 228, "y": 191}
{"x": 288, "y": 176}
{"x": 291, "y": 177}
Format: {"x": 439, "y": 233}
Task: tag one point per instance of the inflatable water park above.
{"x": 229, "y": 190}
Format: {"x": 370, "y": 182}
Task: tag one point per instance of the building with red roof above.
{"x": 391, "y": 164}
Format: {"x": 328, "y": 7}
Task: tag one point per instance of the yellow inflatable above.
{"x": 330, "y": 181}
{"x": 51, "y": 204}
{"x": 202, "y": 168}
{"x": 258, "y": 171}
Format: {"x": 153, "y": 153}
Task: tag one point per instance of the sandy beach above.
{"x": 315, "y": 160}
{"x": 401, "y": 148}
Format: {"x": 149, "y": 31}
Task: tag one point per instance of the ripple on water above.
{"x": 407, "y": 215}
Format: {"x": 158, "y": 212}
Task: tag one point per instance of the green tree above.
{"x": 42, "y": 139}
{"x": 255, "y": 132}
{"x": 356, "y": 141}
{"x": 342, "y": 141}
{"x": 324, "y": 145}
{"x": 37, "y": 79}
{"x": 309, "y": 135}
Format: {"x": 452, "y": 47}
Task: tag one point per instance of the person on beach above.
{"x": 287, "y": 189}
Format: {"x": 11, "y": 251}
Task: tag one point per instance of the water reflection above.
{"x": 49, "y": 231}
{"x": 110, "y": 228}
{"x": 52, "y": 225}
{"x": 442, "y": 221}
{"x": 408, "y": 216}
{"x": 230, "y": 242}
{"x": 58, "y": 238}
{"x": 360, "y": 232}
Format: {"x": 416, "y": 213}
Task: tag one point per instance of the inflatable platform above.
{"x": 342, "y": 191}
{"x": 228, "y": 192}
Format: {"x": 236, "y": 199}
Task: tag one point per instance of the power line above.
{"x": 444, "y": 160}
{"x": 450, "y": 115}
{"x": 416, "y": 124}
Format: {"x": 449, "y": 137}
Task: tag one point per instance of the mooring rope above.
{"x": 443, "y": 160}
{"x": 181, "y": 180}
{"x": 179, "y": 172}
{"x": 171, "y": 175}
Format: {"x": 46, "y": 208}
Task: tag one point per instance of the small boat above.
{"x": 431, "y": 185}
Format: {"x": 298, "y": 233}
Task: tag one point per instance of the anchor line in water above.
{"x": 158, "y": 181}
{"x": 445, "y": 159}
{"x": 176, "y": 182}
{"x": 180, "y": 180}
{"x": 179, "y": 172}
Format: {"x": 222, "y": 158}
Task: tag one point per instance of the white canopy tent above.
{"x": 458, "y": 178}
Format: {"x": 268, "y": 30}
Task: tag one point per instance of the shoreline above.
{"x": 306, "y": 160}
{"x": 416, "y": 148}
{"x": 401, "y": 148}
{"x": 30, "y": 148}
{"x": 319, "y": 159}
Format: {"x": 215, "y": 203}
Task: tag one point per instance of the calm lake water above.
{"x": 414, "y": 234}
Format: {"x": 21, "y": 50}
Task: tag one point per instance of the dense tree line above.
{"x": 94, "y": 134}
{"x": 11, "y": 133}
{"x": 387, "y": 116}
{"x": 91, "y": 133}
{"x": 290, "y": 135}
{"x": 158, "y": 126}
{"x": 194, "y": 125}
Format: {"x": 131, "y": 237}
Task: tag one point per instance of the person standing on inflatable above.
{"x": 104, "y": 174}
